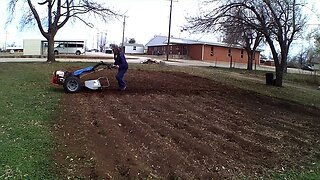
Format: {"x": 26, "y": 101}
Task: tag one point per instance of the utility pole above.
{"x": 98, "y": 40}
{"x": 5, "y": 42}
{"x": 124, "y": 26}
{"x": 169, "y": 35}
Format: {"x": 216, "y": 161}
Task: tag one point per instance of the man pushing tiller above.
{"x": 72, "y": 83}
{"x": 121, "y": 63}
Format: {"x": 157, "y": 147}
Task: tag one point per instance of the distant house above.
{"x": 133, "y": 48}
{"x": 199, "y": 50}
{"x": 266, "y": 61}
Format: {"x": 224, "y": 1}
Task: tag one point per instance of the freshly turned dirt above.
{"x": 170, "y": 125}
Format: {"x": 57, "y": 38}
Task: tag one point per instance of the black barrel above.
{"x": 269, "y": 79}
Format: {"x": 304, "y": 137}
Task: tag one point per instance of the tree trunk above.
{"x": 279, "y": 76}
{"x": 277, "y": 63}
{"x": 250, "y": 59}
{"x": 285, "y": 70}
{"x": 51, "y": 55}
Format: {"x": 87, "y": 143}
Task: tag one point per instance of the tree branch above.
{"x": 37, "y": 18}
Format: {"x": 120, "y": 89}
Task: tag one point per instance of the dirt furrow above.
{"x": 170, "y": 125}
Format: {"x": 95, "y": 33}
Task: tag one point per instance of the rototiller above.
{"x": 72, "y": 81}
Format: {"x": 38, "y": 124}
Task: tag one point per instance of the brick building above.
{"x": 198, "y": 50}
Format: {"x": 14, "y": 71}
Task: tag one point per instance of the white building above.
{"x": 32, "y": 47}
{"x": 133, "y": 48}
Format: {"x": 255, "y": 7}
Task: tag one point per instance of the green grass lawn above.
{"x": 29, "y": 107}
{"x": 299, "y": 88}
{"x": 311, "y": 173}
{"x": 7, "y": 54}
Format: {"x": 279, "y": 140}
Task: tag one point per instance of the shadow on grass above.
{"x": 56, "y": 89}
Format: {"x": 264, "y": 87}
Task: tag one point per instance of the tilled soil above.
{"x": 170, "y": 125}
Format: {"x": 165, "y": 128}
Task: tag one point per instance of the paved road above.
{"x": 139, "y": 59}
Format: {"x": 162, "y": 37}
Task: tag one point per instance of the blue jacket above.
{"x": 121, "y": 61}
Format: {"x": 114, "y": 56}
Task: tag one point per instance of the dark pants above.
{"x": 119, "y": 77}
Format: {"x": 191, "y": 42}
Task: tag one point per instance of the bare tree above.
{"x": 314, "y": 49}
{"x": 102, "y": 40}
{"x": 317, "y": 42}
{"x": 303, "y": 56}
{"x": 236, "y": 33}
{"x": 278, "y": 21}
{"x": 132, "y": 41}
{"x": 58, "y": 13}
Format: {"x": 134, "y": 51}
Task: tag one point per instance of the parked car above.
{"x": 93, "y": 50}
{"x": 262, "y": 61}
{"x": 69, "y": 48}
{"x": 109, "y": 51}
{"x": 307, "y": 68}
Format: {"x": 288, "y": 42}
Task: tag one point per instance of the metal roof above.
{"x": 157, "y": 41}
{"x": 163, "y": 40}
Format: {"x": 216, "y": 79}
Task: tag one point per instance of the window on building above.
{"x": 134, "y": 48}
{"x": 212, "y": 51}
{"x": 229, "y": 52}
{"x": 241, "y": 53}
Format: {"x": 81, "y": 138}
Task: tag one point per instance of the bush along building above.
{"x": 199, "y": 50}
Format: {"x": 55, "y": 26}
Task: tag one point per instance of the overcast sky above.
{"x": 146, "y": 18}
